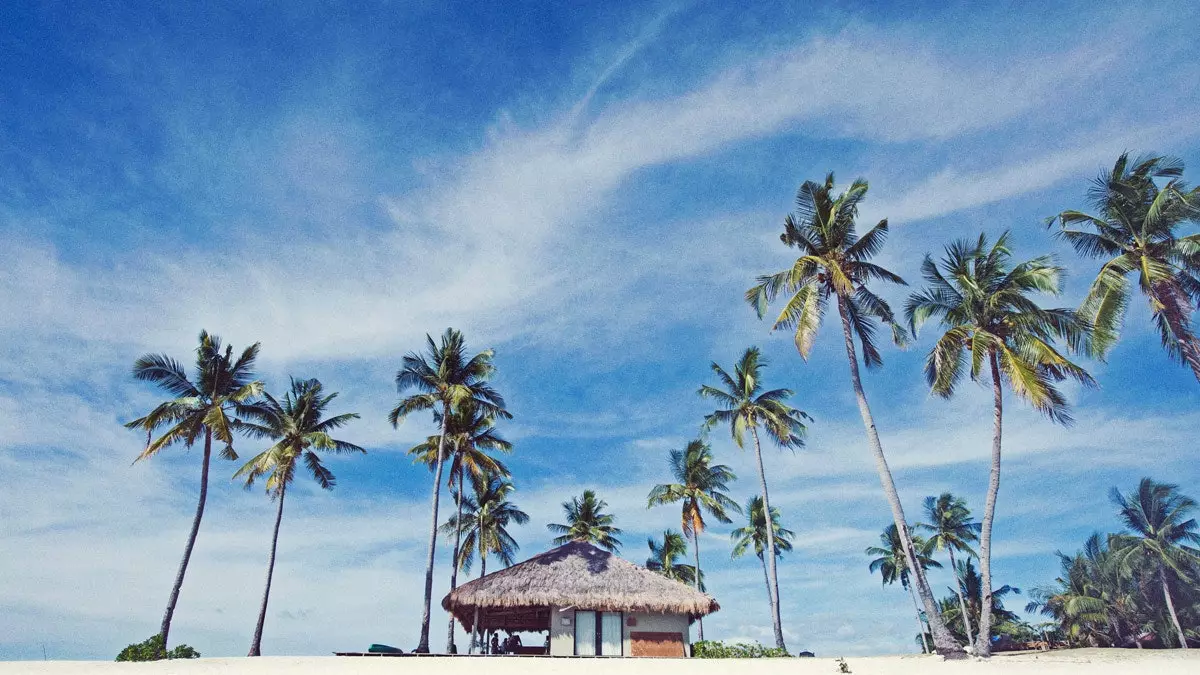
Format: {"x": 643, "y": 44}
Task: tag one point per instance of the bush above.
{"x": 152, "y": 650}
{"x": 712, "y": 649}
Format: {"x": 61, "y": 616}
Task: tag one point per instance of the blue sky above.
{"x": 588, "y": 192}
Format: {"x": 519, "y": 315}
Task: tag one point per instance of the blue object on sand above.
{"x": 384, "y": 649}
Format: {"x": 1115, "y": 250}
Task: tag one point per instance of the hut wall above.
{"x": 562, "y": 629}
{"x": 656, "y": 623}
{"x": 562, "y": 637}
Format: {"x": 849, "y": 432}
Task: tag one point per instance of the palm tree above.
{"x": 744, "y": 405}
{"x": 754, "y": 534}
{"x": 664, "y": 556}
{"x": 1157, "y": 515}
{"x": 891, "y": 564}
{"x": 982, "y": 299}
{"x": 471, "y": 434}
{"x": 1136, "y": 231}
{"x": 971, "y": 588}
{"x": 701, "y": 487}
{"x": 483, "y": 526}
{"x": 951, "y": 529}
{"x": 1090, "y": 601}
{"x": 835, "y": 261}
{"x": 199, "y": 408}
{"x": 299, "y": 428}
{"x": 447, "y": 381}
{"x": 587, "y": 522}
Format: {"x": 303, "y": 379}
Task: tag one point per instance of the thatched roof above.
{"x": 576, "y": 575}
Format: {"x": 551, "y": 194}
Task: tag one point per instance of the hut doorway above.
{"x": 599, "y": 633}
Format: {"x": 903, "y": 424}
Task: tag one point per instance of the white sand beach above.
{"x": 1072, "y": 661}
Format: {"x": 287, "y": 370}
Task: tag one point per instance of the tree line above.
{"x": 994, "y": 332}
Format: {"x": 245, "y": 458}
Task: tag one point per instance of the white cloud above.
{"x": 951, "y": 190}
{"x": 505, "y": 241}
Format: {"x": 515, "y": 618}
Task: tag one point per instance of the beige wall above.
{"x": 658, "y": 623}
{"x": 562, "y": 637}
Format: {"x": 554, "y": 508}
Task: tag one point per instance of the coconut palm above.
{"x": 1161, "y": 530}
{"x": 1090, "y": 601}
{"x": 664, "y": 557}
{"x": 983, "y": 300}
{"x": 587, "y": 522}
{"x": 754, "y": 534}
{"x": 701, "y": 487}
{"x": 891, "y": 564}
{"x": 470, "y": 435}
{"x": 483, "y": 525}
{"x": 951, "y": 529}
{"x": 971, "y": 589}
{"x": 446, "y": 381}
{"x": 1136, "y": 230}
{"x": 835, "y": 262}
{"x": 200, "y": 408}
{"x": 745, "y": 405}
{"x": 299, "y": 428}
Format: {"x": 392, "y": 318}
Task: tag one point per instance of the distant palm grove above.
{"x": 1137, "y": 587}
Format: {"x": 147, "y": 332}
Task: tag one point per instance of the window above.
{"x": 598, "y": 633}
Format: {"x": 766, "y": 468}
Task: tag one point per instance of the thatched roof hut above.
{"x": 576, "y": 575}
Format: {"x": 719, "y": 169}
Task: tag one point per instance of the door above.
{"x": 656, "y": 644}
{"x": 585, "y": 633}
{"x": 611, "y": 634}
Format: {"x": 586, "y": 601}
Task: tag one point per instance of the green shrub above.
{"x": 152, "y": 650}
{"x": 712, "y": 649}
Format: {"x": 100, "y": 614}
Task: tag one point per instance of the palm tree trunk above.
{"x": 191, "y": 542}
{"x": 766, "y": 576}
{"x": 450, "y": 646}
{"x": 1118, "y": 639}
{"x": 475, "y": 621}
{"x": 958, "y": 590}
{"x": 943, "y": 641}
{"x": 256, "y": 643}
{"x": 984, "y": 642}
{"x": 423, "y": 644}
{"x": 1162, "y": 576}
{"x": 920, "y": 623}
{"x": 696, "y": 541}
{"x": 773, "y": 579}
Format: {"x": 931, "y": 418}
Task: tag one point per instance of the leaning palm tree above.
{"x": 199, "y": 408}
{"x": 446, "y": 381}
{"x": 744, "y": 405}
{"x": 483, "y": 526}
{"x": 951, "y": 529}
{"x": 587, "y": 522}
{"x": 835, "y": 262}
{"x": 471, "y": 434}
{"x": 664, "y": 557}
{"x": 299, "y": 428}
{"x": 891, "y": 564}
{"x": 1157, "y": 515}
{"x": 701, "y": 487}
{"x": 983, "y": 300}
{"x": 754, "y": 535}
{"x": 1136, "y": 230}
